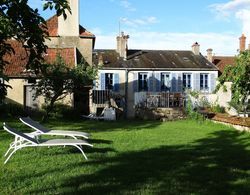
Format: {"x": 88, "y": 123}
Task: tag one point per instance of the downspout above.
{"x": 126, "y": 93}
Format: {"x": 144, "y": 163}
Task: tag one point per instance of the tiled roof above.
{"x": 222, "y": 61}
{"x": 17, "y": 62}
{"x": 68, "y": 54}
{"x": 84, "y": 33}
{"x": 52, "y": 25}
{"x": 154, "y": 59}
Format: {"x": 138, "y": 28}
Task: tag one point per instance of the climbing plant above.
{"x": 239, "y": 75}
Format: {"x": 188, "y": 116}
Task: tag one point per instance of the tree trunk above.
{"x": 49, "y": 108}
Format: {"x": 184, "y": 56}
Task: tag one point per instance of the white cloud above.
{"x": 127, "y": 5}
{"x": 105, "y": 41}
{"x": 139, "y": 22}
{"x": 244, "y": 16}
{"x": 174, "y": 41}
{"x": 232, "y": 5}
{"x": 239, "y": 9}
{"x": 96, "y": 31}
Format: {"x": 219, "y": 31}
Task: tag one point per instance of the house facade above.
{"x": 66, "y": 38}
{"x": 134, "y": 73}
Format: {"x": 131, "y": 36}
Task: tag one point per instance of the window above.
{"x": 143, "y": 81}
{"x": 187, "y": 80}
{"x": 203, "y": 81}
{"x": 109, "y": 81}
{"x": 165, "y": 82}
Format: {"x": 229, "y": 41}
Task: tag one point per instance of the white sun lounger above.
{"x": 93, "y": 117}
{"x": 41, "y": 130}
{"x": 23, "y": 140}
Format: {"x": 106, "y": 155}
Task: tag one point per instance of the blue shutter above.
{"x": 150, "y": 82}
{"x": 173, "y": 83}
{"x": 212, "y": 82}
{"x": 157, "y": 82}
{"x": 197, "y": 81}
{"x": 94, "y": 84}
{"x": 135, "y": 82}
{"x": 102, "y": 81}
{"x": 116, "y": 82}
{"x": 179, "y": 82}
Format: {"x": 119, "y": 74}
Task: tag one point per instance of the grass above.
{"x": 133, "y": 157}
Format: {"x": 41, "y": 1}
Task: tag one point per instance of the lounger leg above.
{"x": 81, "y": 151}
{"x": 11, "y": 147}
{"x": 11, "y": 155}
{"x": 74, "y": 138}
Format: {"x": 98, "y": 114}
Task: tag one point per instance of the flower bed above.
{"x": 234, "y": 120}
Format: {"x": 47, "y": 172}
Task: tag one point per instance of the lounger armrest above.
{"x": 63, "y": 130}
{"x": 34, "y": 135}
{"x": 55, "y": 130}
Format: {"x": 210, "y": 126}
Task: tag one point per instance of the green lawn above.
{"x": 133, "y": 157}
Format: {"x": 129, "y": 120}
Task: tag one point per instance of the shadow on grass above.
{"x": 102, "y": 126}
{"x": 219, "y": 164}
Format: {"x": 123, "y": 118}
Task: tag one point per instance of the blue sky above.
{"x": 166, "y": 24}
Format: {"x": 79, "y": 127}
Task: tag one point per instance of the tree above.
{"x": 239, "y": 75}
{"x": 59, "y": 80}
{"x": 20, "y": 22}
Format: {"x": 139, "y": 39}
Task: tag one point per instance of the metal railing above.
{"x": 142, "y": 99}
{"x": 159, "y": 99}
{"x": 101, "y": 96}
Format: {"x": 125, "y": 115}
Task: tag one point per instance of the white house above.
{"x": 133, "y": 72}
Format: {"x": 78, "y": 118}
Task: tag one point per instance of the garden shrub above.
{"x": 191, "y": 112}
{"x": 217, "y": 108}
{"x": 10, "y": 110}
{"x": 64, "y": 111}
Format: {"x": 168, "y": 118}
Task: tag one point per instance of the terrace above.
{"x": 145, "y": 100}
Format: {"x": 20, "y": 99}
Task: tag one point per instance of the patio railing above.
{"x": 101, "y": 96}
{"x": 159, "y": 99}
{"x": 142, "y": 99}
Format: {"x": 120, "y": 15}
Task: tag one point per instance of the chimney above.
{"x": 242, "y": 43}
{"x": 122, "y": 45}
{"x": 210, "y": 55}
{"x": 100, "y": 60}
{"x": 70, "y": 26}
{"x": 196, "y": 48}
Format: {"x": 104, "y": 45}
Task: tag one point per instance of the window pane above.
{"x": 143, "y": 83}
{"x": 109, "y": 81}
{"x": 165, "y": 82}
{"x": 187, "y": 80}
{"x": 204, "y": 81}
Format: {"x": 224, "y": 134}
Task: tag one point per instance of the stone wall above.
{"x": 163, "y": 114}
